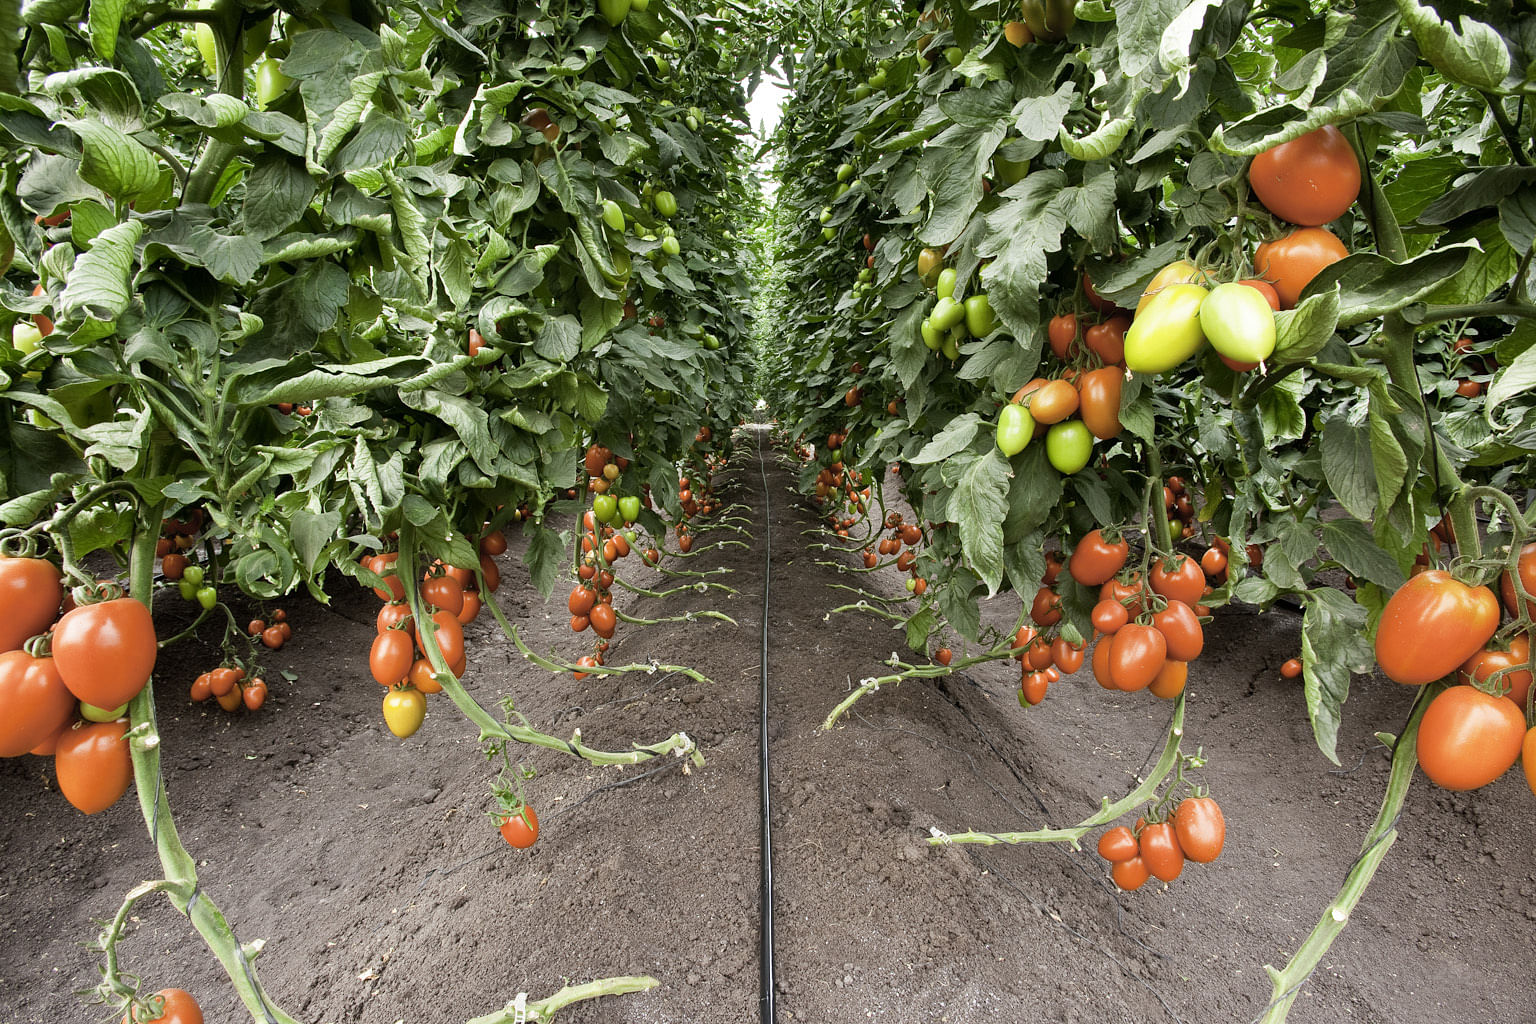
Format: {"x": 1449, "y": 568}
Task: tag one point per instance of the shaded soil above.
{"x": 387, "y": 895}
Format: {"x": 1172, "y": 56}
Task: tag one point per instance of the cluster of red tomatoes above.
{"x": 1196, "y": 831}
{"x": 66, "y": 680}
{"x": 903, "y": 542}
{"x": 273, "y": 634}
{"x": 232, "y": 687}
{"x": 605, "y": 539}
{"x": 1436, "y": 626}
{"x": 398, "y": 657}
{"x": 1149, "y": 628}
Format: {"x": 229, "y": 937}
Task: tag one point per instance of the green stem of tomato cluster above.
{"x": 1288, "y": 982}
{"x": 1107, "y": 812}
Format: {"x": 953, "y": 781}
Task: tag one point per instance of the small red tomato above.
{"x": 520, "y": 829}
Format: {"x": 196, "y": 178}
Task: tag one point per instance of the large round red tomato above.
{"x": 1310, "y": 180}
{"x": 175, "y": 1006}
{"x": 30, "y": 592}
{"x": 1432, "y": 625}
{"x": 1468, "y": 738}
{"x": 1292, "y": 261}
{"x": 93, "y": 764}
{"x": 521, "y": 829}
{"x": 34, "y": 702}
{"x": 106, "y": 651}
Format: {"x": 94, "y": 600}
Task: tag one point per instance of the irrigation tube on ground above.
{"x": 766, "y": 972}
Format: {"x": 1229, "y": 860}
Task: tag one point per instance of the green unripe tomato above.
{"x": 92, "y": 713}
{"x": 828, "y": 234}
{"x": 862, "y": 92}
{"x": 979, "y": 318}
{"x": 877, "y": 80}
{"x": 911, "y": 585}
{"x": 825, "y": 215}
{"x": 25, "y": 337}
{"x": 629, "y": 508}
{"x": 640, "y": 5}
{"x": 836, "y": 455}
{"x": 844, "y": 172}
{"x": 866, "y": 275}
{"x": 1015, "y": 427}
{"x": 951, "y": 348}
{"x": 1239, "y": 323}
{"x": 669, "y": 40}
{"x": 187, "y": 590}
{"x": 946, "y": 285}
{"x": 613, "y": 216}
{"x": 1010, "y": 172}
{"x": 613, "y": 11}
{"x": 841, "y": 190}
{"x": 1069, "y": 446}
{"x": 194, "y": 575}
{"x": 666, "y": 204}
{"x": 932, "y": 336}
{"x": 670, "y": 245}
{"x": 946, "y": 313}
{"x": 692, "y": 123}
{"x": 954, "y": 55}
{"x": 605, "y": 507}
{"x": 207, "y": 597}
{"x": 207, "y": 48}
{"x": 1167, "y": 329}
{"x": 271, "y": 83}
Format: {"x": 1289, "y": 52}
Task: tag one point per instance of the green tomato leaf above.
{"x": 114, "y": 162}
{"x": 99, "y": 282}
{"x": 978, "y": 505}
{"x": 1333, "y": 645}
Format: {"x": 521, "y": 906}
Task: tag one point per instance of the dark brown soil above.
{"x": 386, "y": 894}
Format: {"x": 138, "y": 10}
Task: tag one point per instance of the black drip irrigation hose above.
{"x": 766, "y": 952}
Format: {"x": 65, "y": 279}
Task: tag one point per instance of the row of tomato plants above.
{"x": 1249, "y": 286}
{"x": 304, "y": 291}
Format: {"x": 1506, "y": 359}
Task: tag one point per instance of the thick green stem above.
{"x": 545, "y": 1009}
{"x": 1107, "y": 812}
{"x": 1288, "y": 983}
{"x": 230, "y": 74}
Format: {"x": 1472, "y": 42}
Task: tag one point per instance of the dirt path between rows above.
{"x": 386, "y": 895}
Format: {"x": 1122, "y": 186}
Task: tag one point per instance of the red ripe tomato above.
{"x": 93, "y": 764}
{"x": 1136, "y": 655}
{"x": 450, "y": 637}
{"x": 1128, "y": 595}
{"x": 1118, "y": 844}
{"x": 106, "y": 651}
{"x": 492, "y": 573}
{"x": 1160, "y": 849}
{"x": 1109, "y": 616}
{"x": 521, "y": 829}
{"x": 1432, "y": 625}
{"x": 1512, "y": 662}
{"x": 391, "y": 657}
{"x": 254, "y": 694}
{"x": 1098, "y": 394}
{"x": 383, "y": 565}
{"x": 1107, "y": 340}
{"x": 1181, "y": 630}
{"x": 471, "y": 610}
{"x": 1131, "y": 874}
{"x": 1291, "y": 262}
{"x": 1178, "y": 580}
{"x": 493, "y": 544}
{"x": 443, "y": 592}
{"x": 1201, "y": 828}
{"x": 581, "y": 600}
{"x": 1527, "y": 569}
{"x": 1292, "y": 668}
{"x": 1265, "y": 289}
{"x": 30, "y": 592}
{"x": 603, "y": 620}
{"x": 1033, "y": 687}
{"x": 1310, "y": 180}
{"x": 1061, "y": 331}
{"x": 1101, "y": 673}
{"x": 1046, "y": 608}
{"x": 943, "y": 656}
{"x": 34, "y": 702}
{"x": 174, "y": 1007}
{"x": 393, "y": 615}
{"x": 1096, "y": 560}
{"x": 1038, "y": 656}
{"x": 1067, "y": 657}
{"x": 1213, "y": 563}
{"x": 1171, "y": 680}
{"x": 1468, "y": 738}
{"x": 274, "y": 637}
